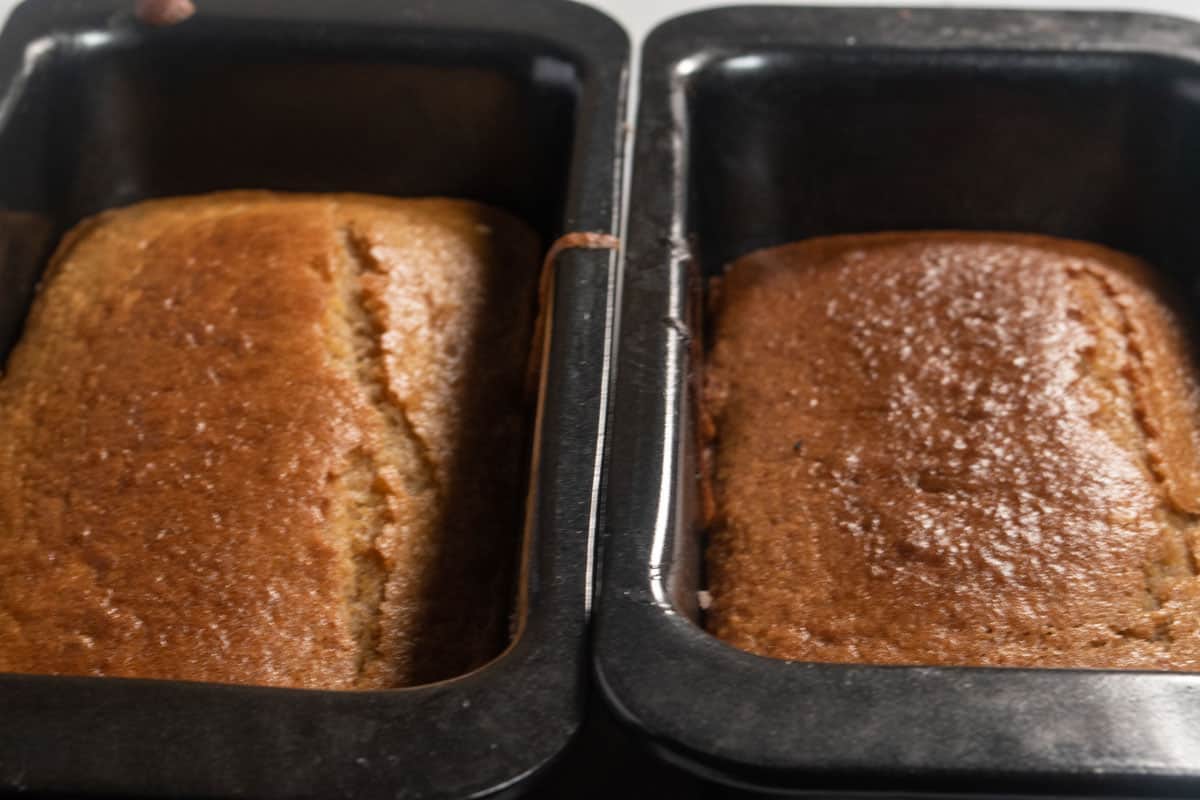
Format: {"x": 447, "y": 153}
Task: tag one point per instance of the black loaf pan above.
{"x": 518, "y": 105}
{"x": 760, "y": 126}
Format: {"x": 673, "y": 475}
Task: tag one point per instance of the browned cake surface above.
{"x": 269, "y": 439}
{"x": 953, "y": 448}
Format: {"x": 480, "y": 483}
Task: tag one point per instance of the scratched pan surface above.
{"x": 519, "y": 109}
{"x": 760, "y": 126}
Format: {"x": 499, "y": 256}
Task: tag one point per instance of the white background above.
{"x": 638, "y": 16}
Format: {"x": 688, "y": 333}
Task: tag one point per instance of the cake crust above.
{"x": 953, "y": 448}
{"x": 267, "y": 438}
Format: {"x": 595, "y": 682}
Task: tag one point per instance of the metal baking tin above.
{"x": 763, "y": 125}
{"x": 520, "y": 107}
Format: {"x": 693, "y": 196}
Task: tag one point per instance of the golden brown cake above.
{"x": 267, "y": 438}
{"x": 953, "y": 448}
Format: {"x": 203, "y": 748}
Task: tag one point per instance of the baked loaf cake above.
{"x": 270, "y": 439}
{"x": 953, "y": 448}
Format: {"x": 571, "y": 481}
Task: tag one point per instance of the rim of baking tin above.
{"x": 764, "y": 723}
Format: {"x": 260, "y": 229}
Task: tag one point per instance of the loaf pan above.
{"x": 520, "y": 109}
{"x": 764, "y": 125}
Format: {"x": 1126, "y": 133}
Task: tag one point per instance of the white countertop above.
{"x": 639, "y": 16}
